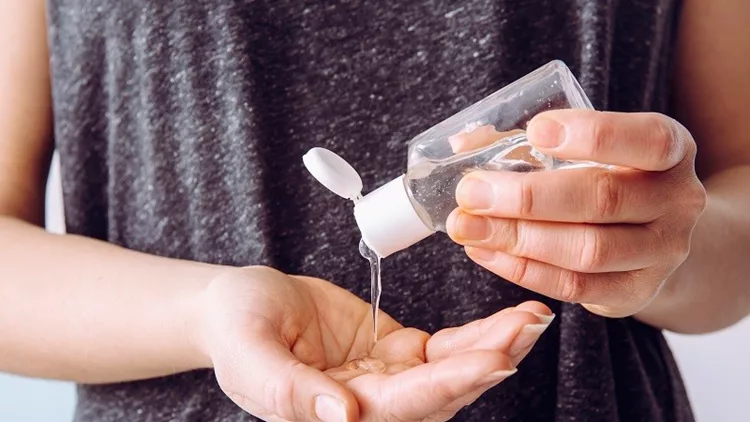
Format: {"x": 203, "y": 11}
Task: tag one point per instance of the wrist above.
{"x": 682, "y": 299}
{"x": 194, "y": 321}
{"x": 212, "y": 316}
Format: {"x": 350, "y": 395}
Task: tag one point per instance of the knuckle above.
{"x": 682, "y": 249}
{"x": 682, "y": 139}
{"x": 592, "y": 251}
{"x": 673, "y": 141}
{"x": 607, "y": 196}
{"x": 693, "y": 204}
{"x": 672, "y": 243}
{"x": 601, "y": 134}
{"x": 517, "y": 245}
{"x": 526, "y": 204}
{"x": 519, "y": 271}
{"x": 665, "y": 137}
{"x": 571, "y": 286}
{"x": 696, "y": 198}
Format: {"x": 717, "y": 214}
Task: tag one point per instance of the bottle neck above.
{"x": 389, "y": 220}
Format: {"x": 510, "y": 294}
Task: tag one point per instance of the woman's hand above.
{"x": 283, "y": 347}
{"x": 605, "y": 238}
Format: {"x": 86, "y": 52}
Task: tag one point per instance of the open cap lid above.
{"x": 386, "y": 217}
{"x": 333, "y": 172}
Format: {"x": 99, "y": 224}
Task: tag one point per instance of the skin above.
{"x": 262, "y": 315}
{"x": 663, "y": 236}
{"x": 604, "y": 238}
{"x": 97, "y": 313}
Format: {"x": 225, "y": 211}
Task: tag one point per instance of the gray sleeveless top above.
{"x": 181, "y": 127}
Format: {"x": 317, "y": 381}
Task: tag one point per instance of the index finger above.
{"x": 495, "y": 332}
{"x": 583, "y": 195}
{"x": 644, "y": 141}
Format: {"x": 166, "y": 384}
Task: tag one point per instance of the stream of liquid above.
{"x": 375, "y": 284}
{"x": 370, "y": 364}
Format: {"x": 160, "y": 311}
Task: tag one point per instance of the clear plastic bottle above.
{"x": 488, "y": 135}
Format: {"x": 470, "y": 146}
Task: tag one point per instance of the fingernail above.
{"x": 481, "y": 254}
{"x": 546, "y": 319}
{"x": 456, "y": 142}
{"x": 329, "y": 409}
{"x": 528, "y": 335}
{"x": 472, "y": 227}
{"x": 546, "y": 133}
{"x": 496, "y": 377}
{"x": 475, "y": 194}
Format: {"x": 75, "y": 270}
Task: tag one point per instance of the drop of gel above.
{"x": 366, "y": 364}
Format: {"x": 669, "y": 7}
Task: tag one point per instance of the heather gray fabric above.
{"x": 181, "y": 126}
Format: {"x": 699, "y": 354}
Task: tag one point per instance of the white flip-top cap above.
{"x": 388, "y": 220}
{"x": 386, "y": 216}
{"x": 334, "y": 173}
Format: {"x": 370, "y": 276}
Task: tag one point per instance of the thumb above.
{"x": 264, "y": 378}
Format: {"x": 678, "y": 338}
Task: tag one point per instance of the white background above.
{"x": 716, "y": 368}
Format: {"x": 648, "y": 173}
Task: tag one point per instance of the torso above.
{"x": 181, "y": 127}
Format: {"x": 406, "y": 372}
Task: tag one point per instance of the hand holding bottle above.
{"x": 281, "y": 347}
{"x": 606, "y": 238}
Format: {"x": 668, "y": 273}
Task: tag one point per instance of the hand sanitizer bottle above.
{"x": 488, "y": 135}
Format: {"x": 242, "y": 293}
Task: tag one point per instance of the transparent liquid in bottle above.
{"x": 492, "y": 137}
{"x": 432, "y": 183}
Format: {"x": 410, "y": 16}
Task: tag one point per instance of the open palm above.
{"x": 299, "y": 348}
